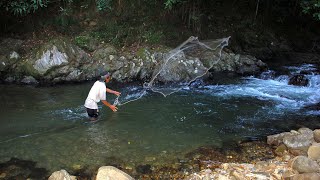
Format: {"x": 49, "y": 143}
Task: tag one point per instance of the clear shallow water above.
{"x": 49, "y": 125}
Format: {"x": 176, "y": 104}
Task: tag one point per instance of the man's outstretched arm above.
{"x": 112, "y": 107}
{"x": 113, "y": 92}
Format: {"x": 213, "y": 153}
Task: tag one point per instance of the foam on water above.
{"x": 277, "y": 90}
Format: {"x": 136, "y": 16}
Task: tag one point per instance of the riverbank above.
{"x": 293, "y": 154}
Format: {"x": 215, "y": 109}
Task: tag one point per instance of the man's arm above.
{"x": 113, "y": 92}
{"x": 112, "y": 107}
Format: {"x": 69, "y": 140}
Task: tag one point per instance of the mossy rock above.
{"x": 25, "y": 67}
{"x": 86, "y": 42}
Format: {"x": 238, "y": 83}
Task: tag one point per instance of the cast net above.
{"x": 181, "y": 66}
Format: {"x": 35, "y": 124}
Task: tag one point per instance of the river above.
{"x": 49, "y": 125}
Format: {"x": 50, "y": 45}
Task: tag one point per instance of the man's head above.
{"x": 106, "y": 77}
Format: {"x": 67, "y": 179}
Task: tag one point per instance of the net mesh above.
{"x": 180, "y": 67}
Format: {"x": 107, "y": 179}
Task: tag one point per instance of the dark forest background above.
{"x": 127, "y": 23}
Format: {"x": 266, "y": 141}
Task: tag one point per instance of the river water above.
{"x": 49, "y": 125}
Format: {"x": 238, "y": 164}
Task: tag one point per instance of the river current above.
{"x": 49, "y": 125}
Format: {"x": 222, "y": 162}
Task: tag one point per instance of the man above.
{"x": 98, "y": 93}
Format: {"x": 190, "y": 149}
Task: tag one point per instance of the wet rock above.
{"x": 144, "y": 169}
{"x": 29, "y": 80}
{"x": 10, "y": 79}
{"x": 298, "y": 80}
{"x": 61, "y": 175}
{"x": 112, "y": 173}
{"x": 304, "y": 165}
{"x": 314, "y": 151}
{"x": 277, "y": 139}
{"x": 21, "y": 169}
{"x": 268, "y": 75}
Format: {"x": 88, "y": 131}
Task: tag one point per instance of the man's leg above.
{"x": 93, "y": 114}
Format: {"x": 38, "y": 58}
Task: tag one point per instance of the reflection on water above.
{"x": 49, "y": 124}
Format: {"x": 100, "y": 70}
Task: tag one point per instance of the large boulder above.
{"x": 179, "y": 68}
{"x": 112, "y": 173}
{"x": 314, "y": 151}
{"x": 299, "y": 143}
{"x": 304, "y": 165}
{"x": 61, "y": 175}
{"x": 316, "y": 134}
{"x": 277, "y": 139}
{"x": 241, "y": 64}
{"x": 57, "y": 59}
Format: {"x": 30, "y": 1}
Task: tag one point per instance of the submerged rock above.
{"x": 298, "y": 80}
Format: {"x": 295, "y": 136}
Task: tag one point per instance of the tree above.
{"x": 21, "y": 8}
{"x": 311, "y": 7}
{"x": 25, "y": 7}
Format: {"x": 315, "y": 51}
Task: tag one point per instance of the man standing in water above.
{"x": 98, "y": 93}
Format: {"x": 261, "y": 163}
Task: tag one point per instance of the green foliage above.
{"x": 64, "y": 17}
{"x": 311, "y": 7}
{"x": 82, "y": 41}
{"x": 170, "y": 3}
{"x": 153, "y": 36}
{"x": 103, "y": 5}
{"x": 20, "y": 8}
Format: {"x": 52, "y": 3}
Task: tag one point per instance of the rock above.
{"x": 92, "y": 23}
{"x": 277, "y": 139}
{"x": 222, "y": 177}
{"x": 10, "y": 79}
{"x": 50, "y": 59}
{"x": 298, "y": 80}
{"x": 250, "y": 64}
{"x": 299, "y": 144}
{"x": 14, "y": 55}
{"x": 237, "y": 175}
{"x": 144, "y": 169}
{"x": 287, "y": 174}
{"x": 304, "y": 165}
{"x": 305, "y": 131}
{"x": 3, "y": 175}
{"x": 61, "y": 175}
{"x": 112, "y": 173}
{"x": 316, "y": 134}
{"x": 281, "y": 150}
{"x": 314, "y": 151}
{"x": 307, "y": 176}
{"x": 29, "y": 80}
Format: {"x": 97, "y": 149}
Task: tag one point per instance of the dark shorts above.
{"x": 93, "y": 112}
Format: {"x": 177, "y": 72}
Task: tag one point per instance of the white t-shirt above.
{"x": 96, "y": 94}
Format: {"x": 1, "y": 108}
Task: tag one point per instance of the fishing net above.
{"x": 180, "y": 67}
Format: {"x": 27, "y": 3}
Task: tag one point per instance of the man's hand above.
{"x": 113, "y": 108}
{"x": 116, "y": 93}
